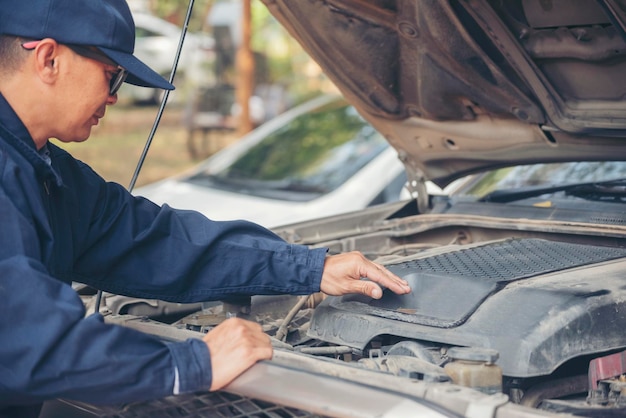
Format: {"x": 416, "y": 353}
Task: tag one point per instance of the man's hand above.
{"x": 235, "y": 345}
{"x": 343, "y": 272}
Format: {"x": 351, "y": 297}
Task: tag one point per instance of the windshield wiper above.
{"x": 233, "y": 183}
{"x": 302, "y": 186}
{"x": 614, "y": 190}
{"x": 611, "y": 191}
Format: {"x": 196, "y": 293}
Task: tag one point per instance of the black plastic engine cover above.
{"x": 539, "y": 303}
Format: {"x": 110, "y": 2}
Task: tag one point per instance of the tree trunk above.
{"x": 245, "y": 70}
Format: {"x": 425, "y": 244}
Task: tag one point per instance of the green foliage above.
{"x": 284, "y": 63}
{"x": 176, "y": 10}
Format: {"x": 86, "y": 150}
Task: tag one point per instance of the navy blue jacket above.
{"x": 61, "y": 223}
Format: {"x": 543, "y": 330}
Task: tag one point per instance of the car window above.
{"x": 543, "y": 175}
{"x": 314, "y": 153}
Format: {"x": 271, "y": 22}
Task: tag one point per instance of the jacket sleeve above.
{"x": 50, "y": 350}
{"x": 133, "y": 247}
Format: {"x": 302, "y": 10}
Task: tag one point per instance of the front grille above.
{"x": 200, "y": 404}
{"x": 510, "y": 260}
{"x": 608, "y": 220}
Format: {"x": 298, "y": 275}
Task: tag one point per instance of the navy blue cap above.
{"x": 105, "y": 24}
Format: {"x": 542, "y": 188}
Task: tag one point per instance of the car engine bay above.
{"x": 533, "y": 309}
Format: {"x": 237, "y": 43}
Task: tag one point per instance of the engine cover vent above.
{"x": 510, "y": 260}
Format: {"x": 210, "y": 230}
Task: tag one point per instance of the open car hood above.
{"x": 461, "y": 86}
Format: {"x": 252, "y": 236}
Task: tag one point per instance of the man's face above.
{"x": 84, "y": 86}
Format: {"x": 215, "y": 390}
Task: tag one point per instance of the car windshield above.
{"x": 311, "y": 155}
{"x": 590, "y": 180}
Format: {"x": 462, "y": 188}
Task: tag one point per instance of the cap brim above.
{"x": 139, "y": 73}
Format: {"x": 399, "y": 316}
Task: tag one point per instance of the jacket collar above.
{"x": 14, "y": 133}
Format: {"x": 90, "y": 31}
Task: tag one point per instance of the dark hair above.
{"x": 12, "y": 55}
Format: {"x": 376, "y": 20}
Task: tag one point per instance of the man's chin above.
{"x": 68, "y": 140}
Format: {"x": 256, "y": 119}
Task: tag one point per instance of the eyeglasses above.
{"x": 92, "y": 53}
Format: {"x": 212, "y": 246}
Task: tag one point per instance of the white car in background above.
{"x": 317, "y": 159}
{"x": 156, "y": 44}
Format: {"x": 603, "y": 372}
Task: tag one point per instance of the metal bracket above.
{"x": 416, "y": 186}
{"x": 416, "y": 183}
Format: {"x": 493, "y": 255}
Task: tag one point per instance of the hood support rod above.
{"x": 157, "y": 120}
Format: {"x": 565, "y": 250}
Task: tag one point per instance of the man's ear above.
{"x": 46, "y": 60}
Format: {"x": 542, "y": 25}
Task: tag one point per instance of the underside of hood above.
{"x": 460, "y": 86}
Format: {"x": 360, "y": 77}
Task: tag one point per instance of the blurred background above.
{"x": 238, "y": 69}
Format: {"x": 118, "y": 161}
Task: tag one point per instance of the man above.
{"x": 61, "y": 63}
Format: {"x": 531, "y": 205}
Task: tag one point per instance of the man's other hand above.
{"x": 235, "y": 345}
